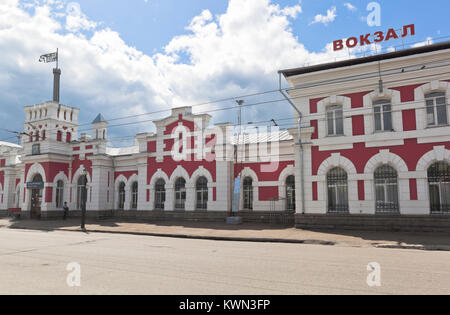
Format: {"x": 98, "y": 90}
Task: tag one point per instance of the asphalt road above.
{"x": 33, "y": 262}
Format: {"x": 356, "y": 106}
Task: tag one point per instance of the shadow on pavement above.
{"x": 422, "y": 240}
{"x": 425, "y": 239}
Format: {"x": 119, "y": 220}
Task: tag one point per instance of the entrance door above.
{"x": 36, "y": 199}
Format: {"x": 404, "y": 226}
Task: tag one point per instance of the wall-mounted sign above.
{"x": 38, "y": 185}
{"x": 378, "y": 37}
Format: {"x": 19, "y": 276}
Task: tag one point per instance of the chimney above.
{"x": 56, "y": 82}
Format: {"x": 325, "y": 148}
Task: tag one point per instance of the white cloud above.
{"x": 235, "y": 53}
{"x": 325, "y": 19}
{"x": 77, "y": 20}
{"x": 350, "y": 6}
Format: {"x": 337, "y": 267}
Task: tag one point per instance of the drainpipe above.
{"x": 300, "y": 143}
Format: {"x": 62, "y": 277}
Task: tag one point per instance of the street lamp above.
{"x": 84, "y": 200}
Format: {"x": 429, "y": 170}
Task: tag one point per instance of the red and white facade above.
{"x": 418, "y": 135}
{"x": 188, "y": 165}
{"x": 126, "y": 179}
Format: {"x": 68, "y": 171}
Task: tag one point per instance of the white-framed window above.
{"x": 386, "y": 190}
{"x": 383, "y": 115}
{"x": 436, "y": 109}
{"x": 337, "y": 182}
{"x": 202, "y": 193}
{"x": 121, "y": 196}
{"x": 134, "y": 196}
{"x": 36, "y": 148}
{"x": 439, "y": 187}
{"x": 160, "y": 194}
{"x": 180, "y": 194}
{"x": 335, "y": 120}
{"x": 59, "y": 194}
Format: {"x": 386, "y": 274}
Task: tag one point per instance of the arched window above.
{"x": 59, "y": 194}
{"x": 248, "y": 193}
{"x": 160, "y": 194}
{"x": 121, "y": 195}
{"x": 134, "y": 196}
{"x": 436, "y": 109}
{"x": 386, "y": 190}
{"x": 439, "y": 186}
{"x": 335, "y": 120}
{"x": 68, "y": 137}
{"x": 202, "y": 193}
{"x": 337, "y": 191}
{"x": 180, "y": 194}
{"x": 59, "y": 136}
{"x": 290, "y": 193}
{"x": 81, "y": 191}
{"x": 383, "y": 115}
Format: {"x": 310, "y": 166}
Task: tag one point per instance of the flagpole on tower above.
{"x": 54, "y": 57}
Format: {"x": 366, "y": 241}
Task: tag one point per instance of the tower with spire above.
{"x": 100, "y": 128}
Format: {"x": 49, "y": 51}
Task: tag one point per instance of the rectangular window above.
{"x": 335, "y": 120}
{"x": 436, "y": 105}
{"x": 36, "y": 149}
{"x": 330, "y": 119}
{"x": 383, "y": 115}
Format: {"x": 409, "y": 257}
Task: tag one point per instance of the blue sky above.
{"x": 133, "y": 57}
{"x": 150, "y": 25}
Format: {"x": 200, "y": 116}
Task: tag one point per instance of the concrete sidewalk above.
{"x": 246, "y": 232}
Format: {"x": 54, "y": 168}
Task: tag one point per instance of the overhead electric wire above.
{"x": 320, "y": 83}
{"x": 50, "y": 131}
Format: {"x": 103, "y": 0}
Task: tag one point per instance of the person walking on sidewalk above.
{"x": 66, "y": 210}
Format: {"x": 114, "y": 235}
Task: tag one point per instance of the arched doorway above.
{"x": 248, "y": 193}
{"x": 81, "y": 192}
{"x": 37, "y": 187}
{"x": 290, "y": 193}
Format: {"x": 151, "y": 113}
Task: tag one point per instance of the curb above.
{"x": 243, "y": 239}
{"x": 442, "y": 248}
{"x": 197, "y": 237}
